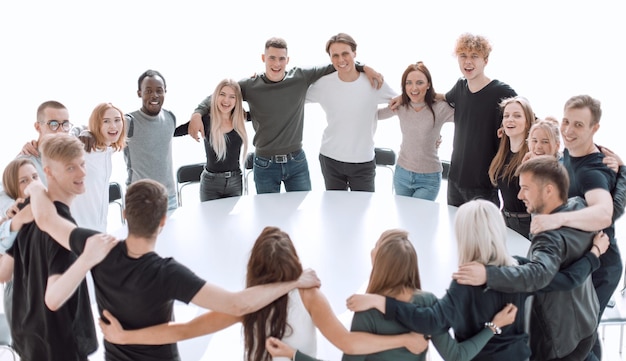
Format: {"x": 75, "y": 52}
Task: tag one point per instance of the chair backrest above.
{"x": 384, "y": 156}
{"x": 187, "y": 174}
{"x": 115, "y": 192}
{"x": 115, "y": 196}
{"x": 446, "y": 169}
{"x": 249, "y": 166}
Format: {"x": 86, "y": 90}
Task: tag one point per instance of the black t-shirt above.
{"x": 509, "y": 188}
{"x": 588, "y": 173}
{"x": 37, "y": 332}
{"x": 477, "y": 118}
{"x": 139, "y": 292}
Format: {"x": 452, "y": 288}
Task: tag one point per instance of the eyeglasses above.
{"x": 54, "y": 125}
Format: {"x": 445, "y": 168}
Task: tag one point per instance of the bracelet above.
{"x": 598, "y": 248}
{"x": 496, "y": 330}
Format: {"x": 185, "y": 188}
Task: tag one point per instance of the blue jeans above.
{"x": 294, "y": 172}
{"x": 416, "y": 185}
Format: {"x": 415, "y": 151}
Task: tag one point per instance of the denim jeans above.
{"x": 416, "y": 185}
{"x": 216, "y": 187}
{"x": 294, "y": 173}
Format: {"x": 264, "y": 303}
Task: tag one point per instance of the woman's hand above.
{"x": 278, "y": 348}
{"x": 506, "y": 316}
{"x": 364, "y": 302}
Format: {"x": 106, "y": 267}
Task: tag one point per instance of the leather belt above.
{"x": 224, "y": 174}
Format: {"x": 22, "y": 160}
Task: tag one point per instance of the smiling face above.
{"x": 69, "y": 176}
{"x": 152, "y": 94}
{"x": 342, "y": 58}
{"x": 112, "y": 126}
{"x": 276, "y": 61}
{"x": 577, "y": 131}
{"x": 26, "y": 174}
{"x": 531, "y": 193}
{"x": 416, "y": 85}
{"x": 514, "y": 121}
{"x": 226, "y": 100}
{"x": 471, "y": 64}
{"x": 540, "y": 142}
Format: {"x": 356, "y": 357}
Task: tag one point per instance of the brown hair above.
{"x": 273, "y": 259}
{"x": 278, "y": 43}
{"x": 10, "y": 176}
{"x": 546, "y": 169}
{"x": 395, "y": 265}
{"x": 341, "y": 38}
{"x": 498, "y": 168}
{"x": 145, "y": 207}
{"x": 95, "y": 127}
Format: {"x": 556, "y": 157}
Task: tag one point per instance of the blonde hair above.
{"x": 218, "y": 138}
{"x": 395, "y": 265}
{"x": 551, "y": 126}
{"x": 481, "y": 234}
{"x": 60, "y": 147}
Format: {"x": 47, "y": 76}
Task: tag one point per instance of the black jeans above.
{"x": 215, "y": 187}
{"x": 458, "y": 195}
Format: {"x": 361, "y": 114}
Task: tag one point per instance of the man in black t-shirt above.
{"x": 45, "y": 326}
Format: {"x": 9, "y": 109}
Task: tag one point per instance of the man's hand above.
{"x": 506, "y": 316}
{"x": 416, "y": 343}
{"x": 34, "y": 187}
{"x": 196, "y": 126}
{"x": 89, "y": 141}
{"x": 30, "y": 148}
{"x": 278, "y": 348}
{"x": 545, "y": 222}
{"x": 365, "y": 302}
{"x": 600, "y": 244}
{"x": 612, "y": 160}
{"x": 309, "y": 279}
{"x": 473, "y": 274}
{"x": 97, "y": 247}
{"x": 375, "y": 78}
{"x": 112, "y": 331}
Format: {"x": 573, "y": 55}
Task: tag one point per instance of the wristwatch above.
{"x": 496, "y": 330}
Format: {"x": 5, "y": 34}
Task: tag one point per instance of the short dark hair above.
{"x": 146, "y": 205}
{"x": 48, "y": 104}
{"x": 274, "y": 42}
{"x": 149, "y": 74}
{"x": 547, "y": 169}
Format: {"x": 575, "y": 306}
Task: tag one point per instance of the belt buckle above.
{"x": 280, "y": 158}
{"x": 228, "y": 174}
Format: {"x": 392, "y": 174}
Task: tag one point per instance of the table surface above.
{"x": 333, "y": 233}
